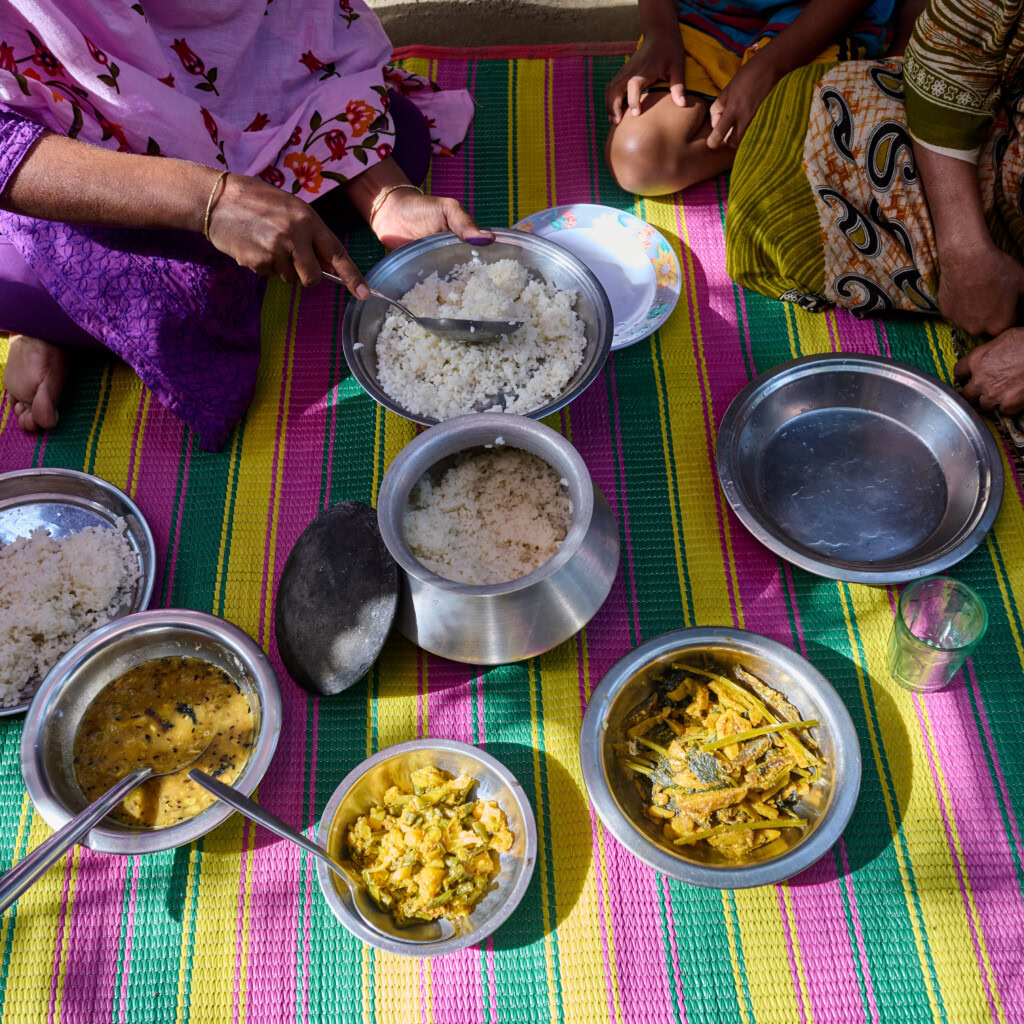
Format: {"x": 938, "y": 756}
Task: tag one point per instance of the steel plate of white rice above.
{"x": 53, "y": 593}
{"x": 433, "y": 377}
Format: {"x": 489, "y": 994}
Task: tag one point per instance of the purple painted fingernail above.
{"x": 479, "y": 240}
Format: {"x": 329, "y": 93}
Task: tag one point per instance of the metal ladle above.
{"x": 373, "y": 917}
{"x": 468, "y": 331}
{"x": 30, "y": 869}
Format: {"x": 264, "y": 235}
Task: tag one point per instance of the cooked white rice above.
{"x": 431, "y": 376}
{"x": 52, "y": 594}
{"x": 491, "y": 518}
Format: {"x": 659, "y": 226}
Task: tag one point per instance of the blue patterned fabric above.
{"x": 738, "y": 25}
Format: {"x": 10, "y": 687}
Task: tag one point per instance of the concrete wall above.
{"x": 506, "y": 22}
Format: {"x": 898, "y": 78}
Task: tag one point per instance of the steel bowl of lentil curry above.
{"x": 720, "y": 757}
{"x": 150, "y": 689}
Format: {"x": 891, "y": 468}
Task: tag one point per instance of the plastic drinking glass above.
{"x": 938, "y": 624}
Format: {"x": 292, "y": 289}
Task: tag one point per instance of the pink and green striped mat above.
{"x": 916, "y": 915}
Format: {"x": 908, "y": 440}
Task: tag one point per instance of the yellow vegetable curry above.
{"x": 430, "y": 853}
{"x": 159, "y": 714}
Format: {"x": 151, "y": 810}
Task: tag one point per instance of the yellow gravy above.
{"x": 161, "y": 713}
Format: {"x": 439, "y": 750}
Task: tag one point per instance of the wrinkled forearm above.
{"x": 954, "y": 202}
{"x": 63, "y": 179}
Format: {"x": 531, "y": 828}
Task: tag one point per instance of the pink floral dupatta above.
{"x": 292, "y": 90}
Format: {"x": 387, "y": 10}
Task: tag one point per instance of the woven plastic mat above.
{"x": 916, "y": 915}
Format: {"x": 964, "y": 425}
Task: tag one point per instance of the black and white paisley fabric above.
{"x": 842, "y": 121}
{"x": 999, "y": 146}
{"x": 890, "y": 154}
{"x": 810, "y": 301}
{"x": 894, "y": 228}
{"x": 909, "y": 281}
{"x": 861, "y": 295}
{"x": 889, "y": 80}
{"x": 858, "y": 229}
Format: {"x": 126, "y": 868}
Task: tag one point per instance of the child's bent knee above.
{"x": 639, "y": 158}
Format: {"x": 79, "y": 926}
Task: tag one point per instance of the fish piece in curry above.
{"x": 719, "y": 761}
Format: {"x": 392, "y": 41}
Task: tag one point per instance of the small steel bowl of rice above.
{"x": 60, "y": 710}
{"x": 557, "y": 354}
{"x": 370, "y": 784}
{"x": 506, "y": 547}
{"x": 720, "y": 757}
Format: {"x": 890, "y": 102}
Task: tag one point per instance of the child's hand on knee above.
{"x": 660, "y": 58}
{"x": 738, "y": 102}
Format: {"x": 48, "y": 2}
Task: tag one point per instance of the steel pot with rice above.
{"x": 530, "y": 550}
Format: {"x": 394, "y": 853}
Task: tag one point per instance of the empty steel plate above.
{"x": 859, "y": 468}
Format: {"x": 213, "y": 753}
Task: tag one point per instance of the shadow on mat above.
{"x": 535, "y": 916}
{"x": 174, "y": 900}
{"x": 869, "y": 834}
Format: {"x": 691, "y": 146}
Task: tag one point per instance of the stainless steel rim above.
{"x": 149, "y": 577}
{"x": 107, "y": 840}
{"x": 409, "y": 253}
{"x": 824, "y": 836}
{"x": 418, "y": 949}
{"x": 726, "y": 460}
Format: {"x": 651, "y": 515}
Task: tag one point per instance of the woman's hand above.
{"x": 995, "y": 373}
{"x": 738, "y": 102}
{"x": 272, "y": 232}
{"x": 406, "y": 215}
{"x": 660, "y": 58}
{"x": 979, "y": 288}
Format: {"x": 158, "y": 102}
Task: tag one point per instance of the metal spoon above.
{"x": 30, "y": 869}
{"x": 469, "y": 331}
{"x": 373, "y": 917}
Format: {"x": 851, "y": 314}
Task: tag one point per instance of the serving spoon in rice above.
{"x": 469, "y": 331}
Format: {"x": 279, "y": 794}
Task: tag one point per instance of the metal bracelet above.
{"x": 210, "y": 202}
{"x": 379, "y": 201}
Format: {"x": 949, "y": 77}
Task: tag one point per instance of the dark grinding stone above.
{"x": 336, "y": 600}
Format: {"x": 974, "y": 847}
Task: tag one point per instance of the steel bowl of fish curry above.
{"x": 720, "y": 757}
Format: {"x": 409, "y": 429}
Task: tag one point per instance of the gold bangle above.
{"x": 210, "y": 202}
{"x": 379, "y": 201}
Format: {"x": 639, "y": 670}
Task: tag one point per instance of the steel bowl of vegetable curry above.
{"x": 720, "y": 757}
{"x": 434, "y": 830}
{"x": 154, "y": 688}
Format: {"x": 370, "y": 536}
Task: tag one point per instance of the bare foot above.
{"x": 34, "y": 380}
